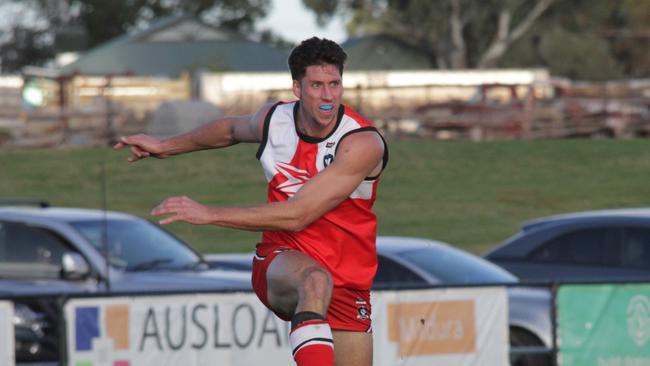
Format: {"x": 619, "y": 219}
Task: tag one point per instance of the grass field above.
{"x": 472, "y": 195}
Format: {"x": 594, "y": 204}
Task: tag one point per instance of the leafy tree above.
{"x": 627, "y": 29}
{"x": 583, "y": 39}
{"x": 586, "y": 39}
{"x": 275, "y": 40}
{"x": 567, "y": 42}
{"x": 452, "y": 33}
{"x": 578, "y": 56}
{"x": 28, "y": 44}
{"x": 92, "y": 22}
{"x": 103, "y": 20}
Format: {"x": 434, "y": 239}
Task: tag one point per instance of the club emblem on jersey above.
{"x": 295, "y": 178}
{"x": 362, "y": 309}
{"x": 327, "y": 160}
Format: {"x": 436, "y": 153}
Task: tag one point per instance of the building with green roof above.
{"x": 174, "y": 45}
{"x": 383, "y": 52}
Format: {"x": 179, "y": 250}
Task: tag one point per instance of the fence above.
{"x": 465, "y": 326}
{"x": 471, "y": 105}
{"x": 499, "y": 111}
{"x": 369, "y": 92}
{"x": 10, "y": 105}
{"x": 592, "y": 324}
{"x": 84, "y": 110}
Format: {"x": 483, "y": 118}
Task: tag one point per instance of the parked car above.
{"x": 45, "y": 252}
{"x": 417, "y": 263}
{"x": 593, "y": 246}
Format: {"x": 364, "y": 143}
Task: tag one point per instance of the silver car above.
{"x": 48, "y": 252}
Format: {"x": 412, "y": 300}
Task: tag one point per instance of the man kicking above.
{"x": 316, "y": 260}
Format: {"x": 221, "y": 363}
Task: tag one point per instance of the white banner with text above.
{"x": 202, "y": 329}
{"x": 7, "y": 342}
{"x": 451, "y": 326}
{"x": 455, "y": 326}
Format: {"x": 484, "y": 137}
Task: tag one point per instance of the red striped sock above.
{"x": 312, "y": 344}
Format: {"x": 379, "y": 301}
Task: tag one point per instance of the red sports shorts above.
{"x": 349, "y": 308}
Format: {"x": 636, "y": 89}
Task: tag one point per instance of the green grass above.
{"x": 472, "y": 195}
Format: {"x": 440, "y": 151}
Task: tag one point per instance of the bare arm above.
{"x": 223, "y": 132}
{"x": 359, "y": 156}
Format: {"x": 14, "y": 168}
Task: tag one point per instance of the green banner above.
{"x": 603, "y": 325}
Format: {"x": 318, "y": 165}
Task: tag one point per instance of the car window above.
{"x": 30, "y": 252}
{"x": 597, "y": 246}
{"x": 137, "y": 244}
{"x": 451, "y": 266}
{"x": 391, "y": 273}
{"x": 636, "y": 248}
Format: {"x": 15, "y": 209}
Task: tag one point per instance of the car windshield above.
{"x": 451, "y": 266}
{"x": 138, "y": 245}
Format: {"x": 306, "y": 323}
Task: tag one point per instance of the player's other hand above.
{"x": 182, "y": 209}
{"x": 141, "y": 146}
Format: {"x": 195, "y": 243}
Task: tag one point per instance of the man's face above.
{"x": 320, "y": 92}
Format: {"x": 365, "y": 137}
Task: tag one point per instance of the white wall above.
{"x": 374, "y": 89}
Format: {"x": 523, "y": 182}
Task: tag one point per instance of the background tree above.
{"x": 87, "y": 23}
{"x": 586, "y": 39}
{"x": 581, "y": 39}
{"x": 28, "y": 44}
{"x": 627, "y": 30}
{"x": 22, "y": 37}
{"x": 567, "y": 41}
{"x": 452, "y": 33}
{"x": 104, "y": 20}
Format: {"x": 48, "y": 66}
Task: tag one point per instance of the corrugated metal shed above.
{"x": 173, "y": 45}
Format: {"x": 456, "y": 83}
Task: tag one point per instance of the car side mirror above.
{"x": 74, "y": 266}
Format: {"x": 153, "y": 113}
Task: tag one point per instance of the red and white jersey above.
{"x": 342, "y": 240}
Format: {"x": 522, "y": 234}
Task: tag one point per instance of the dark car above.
{"x": 47, "y": 252}
{"x": 415, "y": 262}
{"x": 593, "y": 246}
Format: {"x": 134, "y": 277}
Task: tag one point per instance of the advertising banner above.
{"x": 202, "y": 329}
{"x": 7, "y": 342}
{"x": 442, "y": 326}
{"x": 604, "y": 325}
{"x": 456, "y": 326}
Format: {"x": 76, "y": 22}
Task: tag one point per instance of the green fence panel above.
{"x": 603, "y": 325}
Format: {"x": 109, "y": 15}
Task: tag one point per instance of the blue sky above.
{"x": 294, "y": 22}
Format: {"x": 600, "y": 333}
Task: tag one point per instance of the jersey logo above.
{"x": 330, "y": 144}
{"x": 328, "y": 159}
{"x": 362, "y": 309}
{"x": 295, "y": 178}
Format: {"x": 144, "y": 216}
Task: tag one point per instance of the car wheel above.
{"x": 523, "y": 338}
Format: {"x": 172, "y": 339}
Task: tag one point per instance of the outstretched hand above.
{"x": 141, "y": 146}
{"x": 182, "y": 209}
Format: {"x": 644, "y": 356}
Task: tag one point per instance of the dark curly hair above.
{"x": 315, "y": 51}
